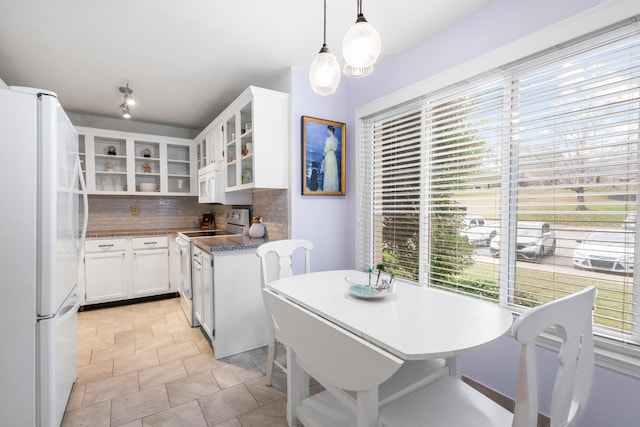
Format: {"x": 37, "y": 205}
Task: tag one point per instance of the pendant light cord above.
{"x": 325, "y": 23}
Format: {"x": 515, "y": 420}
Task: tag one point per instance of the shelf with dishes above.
{"x": 127, "y": 163}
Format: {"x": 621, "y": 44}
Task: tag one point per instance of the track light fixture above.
{"x": 127, "y": 102}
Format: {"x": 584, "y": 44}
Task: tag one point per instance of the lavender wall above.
{"x": 329, "y": 222}
{"x": 321, "y": 219}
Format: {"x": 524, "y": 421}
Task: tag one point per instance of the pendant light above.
{"x": 361, "y": 47}
{"x": 324, "y": 73}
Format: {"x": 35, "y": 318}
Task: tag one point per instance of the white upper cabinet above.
{"x": 127, "y": 163}
{"x": 251, "y": 138}
{"x": 256, "y": 136}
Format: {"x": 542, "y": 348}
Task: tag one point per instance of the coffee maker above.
{"x": 208, "y": 222}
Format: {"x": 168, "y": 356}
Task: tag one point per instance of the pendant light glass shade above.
{"x": 361, "y": 47}
{"x": 356, "y": 72}
{"x": 324, "y": 73}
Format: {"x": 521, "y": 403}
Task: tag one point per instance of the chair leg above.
{"x": 271, "y": 355}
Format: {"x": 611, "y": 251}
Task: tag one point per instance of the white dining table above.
{"x": 412, "y": 322}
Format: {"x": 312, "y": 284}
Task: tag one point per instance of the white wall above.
{"x": 2, "y": 84}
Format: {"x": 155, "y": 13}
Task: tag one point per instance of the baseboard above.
{"x": 128, "y": 301}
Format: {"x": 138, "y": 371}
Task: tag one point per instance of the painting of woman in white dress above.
{"x": 323, "y": 152}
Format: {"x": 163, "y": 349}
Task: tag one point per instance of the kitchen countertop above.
{"x": 135, "y": 233}
{"x": 227, "y": 243}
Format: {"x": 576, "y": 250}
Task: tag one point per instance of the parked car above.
{"x": 629, "y": 222}
{"x": 534, "y": 239}
{"x": 478, "y": 231}
{"x": 607, "y": 251}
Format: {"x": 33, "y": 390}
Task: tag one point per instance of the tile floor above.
{"x": 143, "y": 365}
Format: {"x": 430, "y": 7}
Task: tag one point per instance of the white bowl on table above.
{"x": 369, "y": 285}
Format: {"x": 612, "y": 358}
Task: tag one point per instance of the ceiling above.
{"x": 186, "y": 60}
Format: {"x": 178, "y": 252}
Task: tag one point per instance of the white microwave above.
{"x": 211, "y": 187}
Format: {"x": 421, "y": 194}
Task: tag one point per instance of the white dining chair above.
{"x": 276, "y": 260}
{"x": 337, "y": 359}
{"x": 451, "y": 402}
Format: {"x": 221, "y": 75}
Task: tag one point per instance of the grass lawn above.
{"x": 534, "y": 286}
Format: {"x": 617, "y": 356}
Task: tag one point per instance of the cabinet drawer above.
{"x": 104, "y": 245}
{"x": 150, "y": 242}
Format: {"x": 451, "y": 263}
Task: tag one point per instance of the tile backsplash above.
{"x": 109, "y": 213}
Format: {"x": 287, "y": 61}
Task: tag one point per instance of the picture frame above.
{"x": 323, "y": 157}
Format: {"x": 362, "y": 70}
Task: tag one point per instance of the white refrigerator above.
{"x": 43, "y": 215}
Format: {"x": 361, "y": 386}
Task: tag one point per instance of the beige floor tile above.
{"x": 152, "y": 343}
{"x": 133, "y": 334}
{"x": 191, "y": 388}
{"x": 134, "y": 362}
{"x": 262, "y": 392}
{"x": 91, "y": 416}
{"x": 146, "y": 320}
{"x": 112, "y": 352}
{"x": 87, "y": 331}
{"x": 137, "y": 405}
{"x": 188, "y": 415}
{"x": 76, "y": 397}
{"x": 113, "y": 328}
{"x": 271, "y": 415}
{"x": 84, "y": 357}
{"x": 161, "y": 374}
{"x": 97, "y": 341}
{"x": 227, "y": 404}
{"x": 233, "y": 422}
{"x": 95, "y": 372}
{"x": 176, "y": 357}
{"x": 109, "y": 388}
{"x": 201, "y": 362}
{"x": 178, "y": 351}
{"x": 231, "y": 375}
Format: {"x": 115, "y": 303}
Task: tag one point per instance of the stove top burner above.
{"x": 205, "y": 233}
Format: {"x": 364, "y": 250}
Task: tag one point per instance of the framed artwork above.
{"x": 323, "y": 157}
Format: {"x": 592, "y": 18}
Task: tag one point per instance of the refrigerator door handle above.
{"x": 85, "y": 200}
{"x": 70, "y": 309}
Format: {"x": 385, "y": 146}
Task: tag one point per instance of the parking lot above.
{"x": 561, "y": 261}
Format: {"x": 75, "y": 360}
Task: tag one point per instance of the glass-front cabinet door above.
{"x": 125, "y": 163}
{"x": 109, "y": 164}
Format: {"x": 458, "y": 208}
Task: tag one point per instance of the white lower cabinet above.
{"x": 125, "y": 268}
{"x": 105, "y": 269}
{"x": 150, "y": 266}
{"x": 228, "y": 298}
{"x": 207, "y": 321}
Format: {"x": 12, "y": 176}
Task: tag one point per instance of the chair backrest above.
{"x": 283, "y": 251}
{"x": 329, "y": 353}
{"x": 572, "y": 317}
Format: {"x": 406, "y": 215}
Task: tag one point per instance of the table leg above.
{"x": 297, "y": 386}
{"x": 367, "y": 408}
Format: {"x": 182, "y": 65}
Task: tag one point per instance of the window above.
{"x": 545, "y": 153}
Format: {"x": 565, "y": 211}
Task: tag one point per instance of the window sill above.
{"x": 614, "y": 356}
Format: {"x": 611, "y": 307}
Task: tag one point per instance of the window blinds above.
{"x": 550, "y": 141}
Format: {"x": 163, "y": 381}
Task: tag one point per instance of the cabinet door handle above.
{"x": 150, "y": 243}
{"x": 104, "y": 246}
